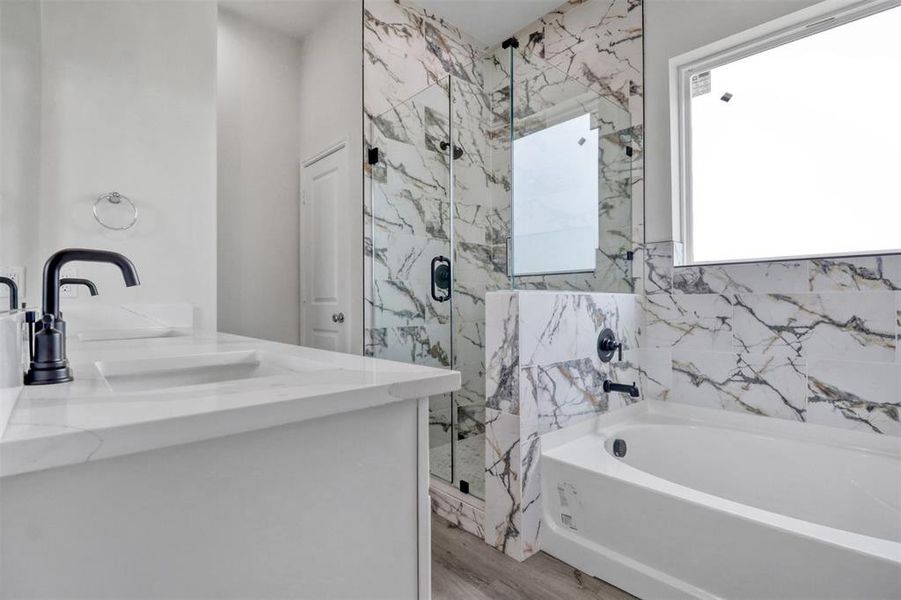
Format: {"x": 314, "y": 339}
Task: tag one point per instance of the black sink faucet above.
{"x": 48, "y": 347}
{"x": 92, "y": 288}
{"x": 632, "y": 390}
{"x": 13, "y": 292}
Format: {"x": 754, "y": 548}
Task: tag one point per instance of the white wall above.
{"x": 673, "y": 27}
{"x": 20, "y": 130}
{"x": 128, "y": 104}
{"x": 331, "y": 88}
{"x": 258, "y": 159}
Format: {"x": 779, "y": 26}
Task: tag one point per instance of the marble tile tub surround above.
{"x": 817, "y": 340}
{"x": 543, "y": 374}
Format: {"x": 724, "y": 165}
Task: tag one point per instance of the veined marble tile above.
{"x": 767, "y": 385}
{"x": 638, "y": 271}
{"x": 655, "y": 366}
{"x": 469, "y": 359}
{"x": 470, "y": 420}
{"x": 701, "y": 321}
{"x": 406, "y": 258}
{"x": 375, "y": 340}
{"x": 478, "y": 263}
{"x": 543, "y": 97}
{"x": 471, "y": 101}
{"x": 615, "y": 162}
{"x": 599, "y": 42}
{"x": 612, "y": 276}
{"x": 440, "y": 419}
{"x": 407, "y": 49}
{"x": 402, "y": 212}
{"x": 774, "y": 277}
{"x": 855, "y": 395}
{"x": 407, "y": 174}
{"x": 556, "y": 327}
{"x": 502, "y": 351}
{"x": 497, "y": 226}
{"x": 459, "y": 513}
{"x": 531, "y": 495}
{"x": 855, "y": 273}
{"x": 423, "y": 345}
{"x": 898, "y": 327}
{"x": 503, "y": 486}
{"x": 469, "y": 301}
{"x": 658, "y": 267}
{"x": 562, "y": 394}
{"x": 530, "y": 448}
{"x": 614, "y": 273}
{"x": 850, "y": 325}
{"x": 471, "y": 223}
{"x": 615, "y": 215}
{"x": 402, "y": 303}
{"x": 472, "y": 169}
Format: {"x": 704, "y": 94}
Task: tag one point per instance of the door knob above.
{"x": 338, "y": 317}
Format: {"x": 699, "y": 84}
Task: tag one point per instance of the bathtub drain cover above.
{"x": 619, "y": 448}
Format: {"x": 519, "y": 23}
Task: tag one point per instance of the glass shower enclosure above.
{"x": 442, "y": 224}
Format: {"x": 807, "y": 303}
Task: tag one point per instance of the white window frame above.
{"x": 797, "y": 25}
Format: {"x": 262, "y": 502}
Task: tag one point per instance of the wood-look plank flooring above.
{"x": 466, "y": 568}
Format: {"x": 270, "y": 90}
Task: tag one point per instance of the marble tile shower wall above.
{"x": 544, "y": 374}
{"x": 414, "y": 62}
{"x": 817, "y": 341}
{"x": 586, "y": 54}
{"x": 592, "y": 45}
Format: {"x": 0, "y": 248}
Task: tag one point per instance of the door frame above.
{"x": 341, "y": 144}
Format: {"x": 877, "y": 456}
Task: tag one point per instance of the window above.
{"x": 555, "y": 199}
{"x": 790, "y": 145}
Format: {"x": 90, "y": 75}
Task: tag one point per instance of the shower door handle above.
{"x": 441, "y": 278}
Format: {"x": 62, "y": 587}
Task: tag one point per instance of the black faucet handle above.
{"x": 607, "y": 346}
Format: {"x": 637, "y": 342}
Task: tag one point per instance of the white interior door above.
{"x": 325, "y": 263}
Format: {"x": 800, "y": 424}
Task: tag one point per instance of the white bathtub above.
{"x": 711, "y": 504}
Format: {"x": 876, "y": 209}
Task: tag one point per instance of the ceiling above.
{"x": 490, "y": 21}
{"x": 296, "y": 19}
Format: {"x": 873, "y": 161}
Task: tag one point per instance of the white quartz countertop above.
{"x": 117, "y": 405}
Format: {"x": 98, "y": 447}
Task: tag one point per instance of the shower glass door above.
{"x": 409, "y": 309}
{"x": 440, "y": 197}
{"x": 479, "y": 246}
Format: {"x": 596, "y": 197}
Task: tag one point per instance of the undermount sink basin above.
{"x": 198, "y": 369}
{"x": 100, "y": 335}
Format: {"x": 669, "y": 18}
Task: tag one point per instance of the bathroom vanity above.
{"x": 216, "y": 466}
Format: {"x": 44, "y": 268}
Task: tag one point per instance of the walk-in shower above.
{"x": 459, "y": 203}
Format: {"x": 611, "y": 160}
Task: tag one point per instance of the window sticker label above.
{"x": 700, "y": 84}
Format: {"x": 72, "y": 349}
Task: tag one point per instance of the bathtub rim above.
{"x": 677, "y": 413}
{"x": 877, "y": 548}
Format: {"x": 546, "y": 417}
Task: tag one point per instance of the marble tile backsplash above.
{"x": 809, "y": 340}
